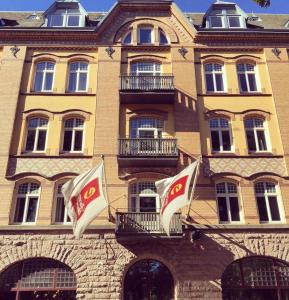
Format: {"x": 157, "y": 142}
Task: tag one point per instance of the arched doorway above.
{"x": 148, "y": 280}
{"x": 256, "y": 278}
{"x": 38, "y": 279}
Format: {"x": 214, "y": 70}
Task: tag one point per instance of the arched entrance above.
{"x": 38, "y": 279}
{"x": 256, "y": 278}
{"x": 148, "y": 280}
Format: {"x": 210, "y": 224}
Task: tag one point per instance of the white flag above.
{"x": 84, "y": 198}
{"x": 174, "y": 192}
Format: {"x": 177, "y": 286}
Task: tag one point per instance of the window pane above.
{"x": 38, "y": 81}
{"x": 261, "y": 140}
{"x": 31, "y": 211}
{"x": 163, "y": 39}
{"x": 48, "y": 82}
{"x": 60, "y": 208}
{"x": 223, "y": 210}
{"x": 72, "y": 82}
{"x": 252, "y": 82}
{"x": 274, "y": 209}
{"x": 73, "y": 21}
{"x": 251, "y": 140}
{"x": 243, "y": 83}
{"x": 56, "y": 20}
{"x": 127, "y": 39}
{"x": 216, "y": 22}
{"x": 145, "y": 35}
{"x": 30, "y": 140}
{"x": 262, "y": 209}
{"x": 41, "y": 140}
{"x": 78, "y": 141}
{"x": 234, "y": 22}
{"x": 82, "y": 81}
{"x": 210, "y": 83}
{"x": 234, "y": 205}
{"x": 219, "y": 82}
{"x": 20, "y": 205}
{"x": 226, "y": 141}
{"x": 215, "y": 141}
{"x": 67, "y": 140}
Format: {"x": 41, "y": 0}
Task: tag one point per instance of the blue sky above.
{"x": 278, "y": 6}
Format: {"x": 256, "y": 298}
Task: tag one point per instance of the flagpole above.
{"x": 105, "y": 184}
{"x": 193, "y": 187}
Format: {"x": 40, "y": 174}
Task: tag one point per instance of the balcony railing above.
{"x": 141, "y": 147}
{"x": 146, "y": 82}
{"x": 145, "y": 222}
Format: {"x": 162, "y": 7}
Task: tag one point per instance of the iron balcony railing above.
{"x": 145, "y": 222}
{"x": 148, "y": 147}
{"x": 146, "y": 82}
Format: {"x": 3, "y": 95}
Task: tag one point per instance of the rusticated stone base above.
{"x": 100, "y": 261}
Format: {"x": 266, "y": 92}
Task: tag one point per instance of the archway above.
{"x": 148, "y": 280}
{"x": 256, "y": 278}
{"x": 36, "y": 279}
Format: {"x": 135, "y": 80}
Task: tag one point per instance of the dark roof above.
{"x": 21, "y": 19}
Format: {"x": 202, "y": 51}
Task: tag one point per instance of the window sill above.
{"x": 36, "y": 154}
{"x": 229, "y": 153}
{"x": 71, "y": 154}
{"x": 260, "y": 153}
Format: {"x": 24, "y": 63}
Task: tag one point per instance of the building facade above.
{"x": 151, "y": 89}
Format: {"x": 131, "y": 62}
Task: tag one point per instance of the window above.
{"x": 216, "y": 22}
{"x": 73, "y": 135}
{"x": 145, "y": 35}
{"x": 163, "y": 38}
{"x": 220, "y": 135}
{"x": 247, "y": 78}
{"x": 146, "y": 128}
{"x": 27, "y": 203}
{"x": 148, "y": 75}
{"x": 268, "y": 202}
{"x": 228, "y": 202}
{"x": 78, "y": 77}
{"x": 234, "y": 22}
{"x": 256, "y": 135}
{"x": 214, "y": 78}
{"x": 65, "y": 18}
{"x": 36, "y": 135}
{"x": 127, "y": 39}
{"x": 146, "y": 68}
{"x": 44, "y": 74}
{"x": 226, "y": 18}
{"x": 61, "y": 215}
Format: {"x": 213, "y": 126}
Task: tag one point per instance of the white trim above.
{"x": 45, "y": 71}
{"x": 246, "y": 73}
{"x": 213, "y": 73}
{"x": 73, "y": 129}
{"x": 78, "y": 72}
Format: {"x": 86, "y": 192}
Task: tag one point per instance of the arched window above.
{"x": 256, "y": 134}
{"x": 228, "y": 202}
{"x": 256, "y": 278}
{"x": 214, "y": 77}
{"x": 36, "y": 135}
{"x": 44, "y": 74}
{"x": 247, "y": 78}
{"x": 268, "y": 202}
{"x": 148, "y": 279}
{"x": 77, "y": 81}
{"x": 220, "y": 135}
{"x": 127, "y": 38}
{"x": 38, "y": 278}
{"x": 73, "y": 135}
{"x": 163, "y": 38}
{"x": 27, "y": 202}
{"x": 61, "y": 215}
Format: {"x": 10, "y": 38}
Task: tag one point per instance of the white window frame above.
{"x": 78, "y": 72}
{"x": 45, "y": 71}
{"x": 255, "y": 129}
{"x": 74, "y": 129}
{"x": 217, "y": 16}
{"x": 246, "y": 73}
{"x": 37, "y": 129}
{"x": 27, "y": 196}
{"x": 266, "y": 195}
{"x": 227, "y": 195}
{"x": 56, "y": 199}
{"x": 214, "y": 73}
{"x": 139, "y": 37}
{"x": 220, "y": 129}
{"x": 65, "y": 16}
{"x": 157, "y": 68}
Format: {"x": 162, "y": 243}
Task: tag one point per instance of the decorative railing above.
{"x": 148, "y": 147}
{"x": 146, "y": 82}
{"x": 145, "y": 222}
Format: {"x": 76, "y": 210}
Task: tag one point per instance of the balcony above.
{"x": 148, "y": 152}
{"x": 145, "y": 223}
{"x": 138, "y": 89}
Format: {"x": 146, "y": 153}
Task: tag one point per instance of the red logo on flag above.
{"x": 176, "y": 190}
{"x": 89, "y": 193}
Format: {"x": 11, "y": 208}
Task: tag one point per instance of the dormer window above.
{"x": 64, "y": 18}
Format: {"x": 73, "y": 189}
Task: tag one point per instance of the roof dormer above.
{"x": 65, "y": 13}
{"x": 226, "y": 15}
